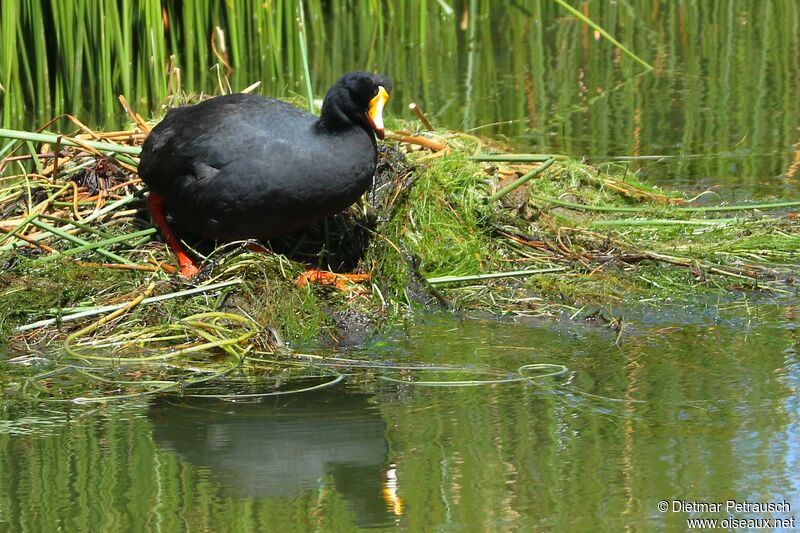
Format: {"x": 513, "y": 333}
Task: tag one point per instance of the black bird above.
{"x": 246, "y": 166}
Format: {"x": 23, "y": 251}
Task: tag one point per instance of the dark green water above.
{"x": 705, "y": 412}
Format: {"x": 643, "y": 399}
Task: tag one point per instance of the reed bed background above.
{"x": 551, "y": 82}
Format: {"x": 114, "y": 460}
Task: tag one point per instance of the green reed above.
{"x": 563, "y": 88}
{"x": 76, "y": 57}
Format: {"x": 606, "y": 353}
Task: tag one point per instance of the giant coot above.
{"x": 246, "y": 166}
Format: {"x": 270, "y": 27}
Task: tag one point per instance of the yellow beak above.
{"x": 375, "y": 113}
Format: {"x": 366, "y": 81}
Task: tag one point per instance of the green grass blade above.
{"x": 604, "y": 33}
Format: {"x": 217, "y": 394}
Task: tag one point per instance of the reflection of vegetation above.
{"x": 572, "y": 466}
{"x": 724, "y": 81}
{"x": 718, "y": 408}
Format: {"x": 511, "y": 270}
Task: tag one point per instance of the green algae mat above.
{"x": 451, "y": 223}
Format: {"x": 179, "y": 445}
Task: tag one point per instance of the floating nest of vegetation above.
{"x": 450, "y": 223}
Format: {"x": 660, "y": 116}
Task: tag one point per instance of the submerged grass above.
{"x": 83, "y": 280}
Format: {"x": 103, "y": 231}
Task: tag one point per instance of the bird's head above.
{"x": 361, "y": 97}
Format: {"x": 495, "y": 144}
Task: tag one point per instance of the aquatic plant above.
{"x": 450, "y": 222}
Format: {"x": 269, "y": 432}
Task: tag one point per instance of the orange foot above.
{"x": 189, "y": 270}
{"x": 343, "y": 282}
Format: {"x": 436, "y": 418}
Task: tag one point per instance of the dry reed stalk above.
{"x": 120, "y": 266}
{"x": 416, "y": 139}
{"x": 136, "y": 118}
{"x": 29, "y": 240}
{"x": 417, "y": 110}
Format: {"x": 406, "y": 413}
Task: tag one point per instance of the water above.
{"x": 696, "y": 403}
{"x": 703, "y": 412}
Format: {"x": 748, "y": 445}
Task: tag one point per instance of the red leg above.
{"x": 155, "y": 203}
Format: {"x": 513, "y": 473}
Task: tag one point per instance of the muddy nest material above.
{"x": 444, "y": 226}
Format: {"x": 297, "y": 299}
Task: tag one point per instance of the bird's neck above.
{"x": 334, "y": 118}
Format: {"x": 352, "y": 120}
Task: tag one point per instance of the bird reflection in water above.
{"x": 286, "y": 446}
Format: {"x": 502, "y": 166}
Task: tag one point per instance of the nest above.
{"x": 85, "y": 278}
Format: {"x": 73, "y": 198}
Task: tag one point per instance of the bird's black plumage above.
{"x": 247, "y": 166}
